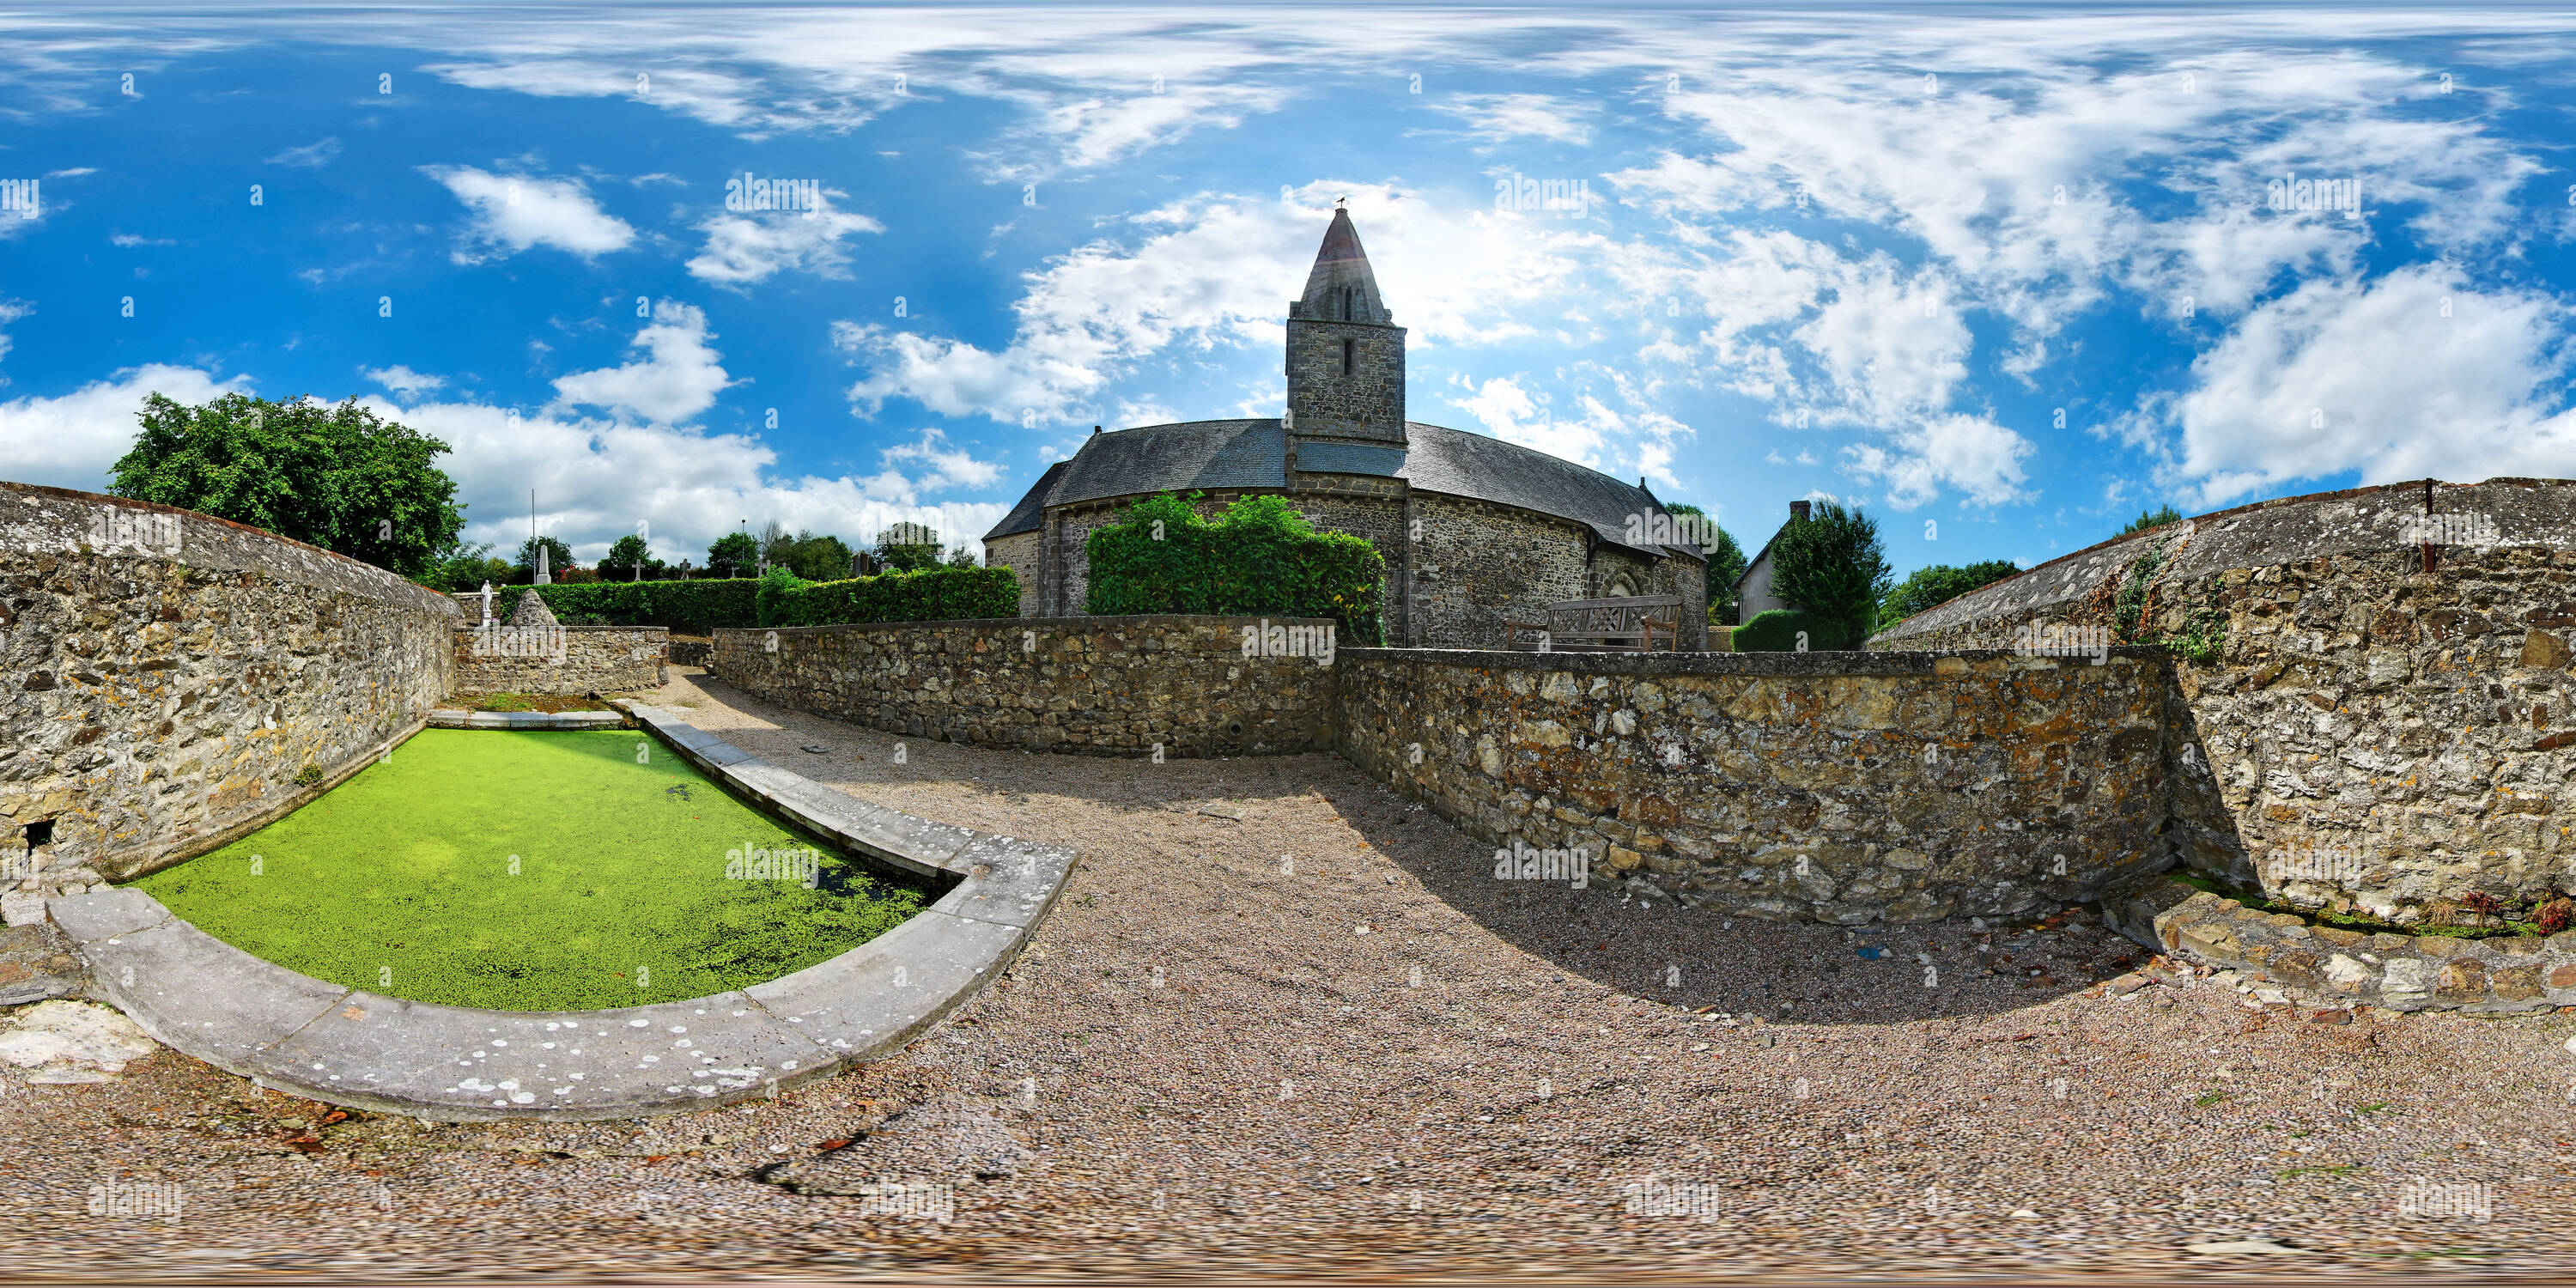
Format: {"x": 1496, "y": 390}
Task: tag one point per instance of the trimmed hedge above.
{"x": 930, "y": 595}
{"x": 780, "y": 599}
{"x": 1776, "y": 631}
{"x": 688, "y": 607}
{"x": 1258, "y": 557}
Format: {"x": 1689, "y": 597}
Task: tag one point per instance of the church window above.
{"x": 1346, "y": 357}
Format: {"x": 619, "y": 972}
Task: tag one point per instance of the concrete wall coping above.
{"x": 311, "y": 564}
{"x": 455, "y": 718}
{"x": 1086, "y": 625}
{"x": 471, "y": 627}
{"x": 356, "y": 1048}
{"x": 1853, "y": 662}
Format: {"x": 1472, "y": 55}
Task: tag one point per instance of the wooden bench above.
{"x": 1633, "y": 624}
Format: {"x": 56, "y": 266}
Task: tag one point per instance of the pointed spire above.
{"x": 1341, "y": 288}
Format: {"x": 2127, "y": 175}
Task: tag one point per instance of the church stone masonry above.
{"x": 1475, "y": 531}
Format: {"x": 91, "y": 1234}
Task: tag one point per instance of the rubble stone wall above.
{"x": 1115, "y": 686}
{"x": 165, "y": 678}
{"x": 2360, "y": 728}
{"x": 2348, "y": 968}
{"x": 1843, "y": 787}
{"x": 559, "y": 659}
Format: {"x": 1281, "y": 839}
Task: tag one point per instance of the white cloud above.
{"x": 749, "y": 247}
{"x": 1095, "y": 130}
{"x": 72, "y": 440}
{"x": 1970, "y": 453}
{"x": 73, "y": 173}
{"x": 2415, "y": 375}
{"x": 678, "y": 376}
{"x": 513, "y": 213}
{"x": 132, "y": 240}
{"x": 951, "y": 469}
{"x": 312, "y": 155}
{"x": 10, "y": 311}
{"x": 404, "y": 381}
{"x": 595, "y": 480}
{"x": 1215, "y": 271}
{"x": 1594, "y": 434}
{"x": 1497, "y": 117}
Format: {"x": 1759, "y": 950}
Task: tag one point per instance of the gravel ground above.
{"x": 1285, "y": 1021}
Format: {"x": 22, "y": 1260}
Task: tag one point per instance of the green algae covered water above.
{"x": 527, "y": 871}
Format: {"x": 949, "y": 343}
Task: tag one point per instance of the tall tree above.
{"x": 625, "y": 556}
{"x": 1725, "y": 565}
{"x": 558, "y": 558}
{"x": 823, "y": 558}
{"x": 1832, "y": 565}
{"x": 1939, "y": 584}
{"x": 336, "y": 477}
{"x": 2155, "y": 518}
{"x": 735, "y": 554}
{"x": 464, "y": 567}
{"x": 908, "y": 547}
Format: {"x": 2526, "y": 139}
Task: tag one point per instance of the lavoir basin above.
{"x": 564, "y": 925}
{"x": 535, "y": 872}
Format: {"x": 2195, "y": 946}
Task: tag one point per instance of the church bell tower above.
{"x": 1345, "y": 353}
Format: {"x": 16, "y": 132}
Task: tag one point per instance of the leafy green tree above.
{"x": 2155, "y": 518}
{"x": 625, "y": 556}
{"x": 961, "y": 557}
{"x": 813, "y": 558}
{"x": 1832, "y": 565}
{"x": 335, "y": 477}
{"x": 1938, "y": 584}
{"x": 464, "y": 567}
{"x": 907, "y": 547}
{"x": 558, "y": 558}
{"x": 734, "y": 554}
{"x": 1725, "y": 565}
{"x": 774, "y": 542}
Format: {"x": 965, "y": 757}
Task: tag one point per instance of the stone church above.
{"x": 1475, "y": 531}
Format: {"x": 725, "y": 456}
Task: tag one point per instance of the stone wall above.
{"x": 1020, "y": 552}
{"x": 2348, "y": 968}
{"x": 1474, "y": 565}
{"x": 559, "y": 659}
{"x": 1845, "y": 787}
{"x": 165, "y": 677}
{"x": 1478, "y": 565}
{"x": 2365, "y": 734}
{"x": 1097, "y": 685}
{"x": 1367, "y": 402}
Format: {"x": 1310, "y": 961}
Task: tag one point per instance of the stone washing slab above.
{"x": 886, "y": 991}
{"x": 198, "y": 994}
{"x": 1007, "y": 880}
{"x": 916, "y": 845}
{"x": 452, "y": 718}
{"x": 117, "y": 910}
{"x": 306, "y": 1037}
{"x": 459, "y": 1063}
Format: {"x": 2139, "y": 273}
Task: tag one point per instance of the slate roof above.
{"x": 1031, "y": 511}
{"x": 1341, "y": 286}
{"x": 1213, "y": 455}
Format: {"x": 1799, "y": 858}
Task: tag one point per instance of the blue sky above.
{"x": 2002, "y": 275}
